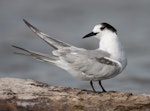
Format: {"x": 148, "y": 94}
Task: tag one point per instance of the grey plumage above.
{"x": 84, "y": 64}
{"x": 51, "y": 41}
{"x": 36, "y": 55}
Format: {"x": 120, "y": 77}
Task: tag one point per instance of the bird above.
{"x": 105, "y": 62}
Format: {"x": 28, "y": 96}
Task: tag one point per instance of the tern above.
{"x": 103, "y": 63}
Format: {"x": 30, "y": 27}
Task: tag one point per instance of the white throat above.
{"x": 111, "y": 44}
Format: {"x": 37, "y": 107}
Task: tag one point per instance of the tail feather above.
{"x": 51, "y": 41}
{"x": 36, "y": 55}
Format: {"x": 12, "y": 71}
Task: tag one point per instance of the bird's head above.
{"x": 101, "y": 30}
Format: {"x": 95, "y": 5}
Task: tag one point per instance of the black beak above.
{"x": 89, "y": 35}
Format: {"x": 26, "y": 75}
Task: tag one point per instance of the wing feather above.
{"x": 92, "y": 63}
{"x": 51, "y": 41}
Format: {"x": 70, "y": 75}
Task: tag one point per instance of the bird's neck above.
{"x": 111, "y": 44}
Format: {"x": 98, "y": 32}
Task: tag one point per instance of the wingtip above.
{"x": 24, "y": 20}
{"x": 20, "y": 48}
{"x": 27, "y": 23}
{"x": 33, "y": 28}
{"x": 13, "y": 46}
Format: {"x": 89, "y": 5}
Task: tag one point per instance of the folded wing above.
{"x": 92, "y": 63}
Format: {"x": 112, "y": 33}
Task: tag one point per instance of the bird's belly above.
{"x": 95, "y": 77}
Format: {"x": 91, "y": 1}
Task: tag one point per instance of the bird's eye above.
{"x": 102, "y": 28}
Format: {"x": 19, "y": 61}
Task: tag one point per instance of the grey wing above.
{"x": 92, "y": 63}
{"x": 36, "y": 55}
{"x": 51, "y": 41}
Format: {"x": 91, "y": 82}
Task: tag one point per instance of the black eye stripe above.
{"x": 102, "y": 28}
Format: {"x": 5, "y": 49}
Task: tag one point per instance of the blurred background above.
{"x": 69, "y": 21}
